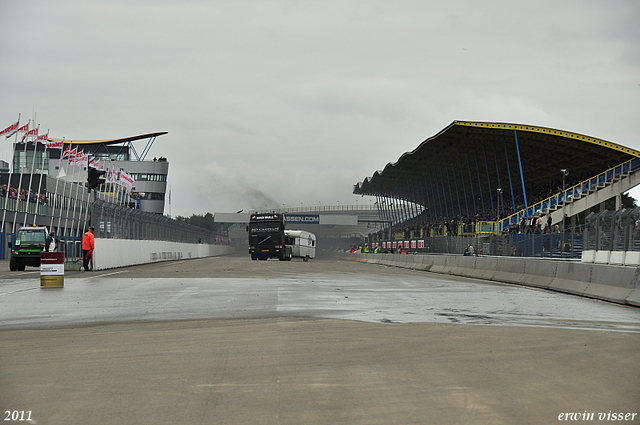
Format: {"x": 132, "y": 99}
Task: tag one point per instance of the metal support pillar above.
{"x": 473, "y": 196}
{"x": 495, "y": 156}
{"x": 431, "y": 197}
{"x": 479, "y": 183}
{"x": 464, "y": 188}
{"x": 524, "y": 190}
{"x": 435, "y": 178}
{"x": 455, "y": 183}
{"x": 453, "y": 210}
{"x": 506, "y": 155}
{"x": 486, "y": 164}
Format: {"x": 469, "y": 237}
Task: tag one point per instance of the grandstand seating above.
{"x": 582, "y": 196}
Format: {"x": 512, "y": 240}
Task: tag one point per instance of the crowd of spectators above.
{"x": 540, "y": 223}
{"x": 23, "y": 195}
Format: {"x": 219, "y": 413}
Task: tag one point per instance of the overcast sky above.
{"x": 293, "y": 102}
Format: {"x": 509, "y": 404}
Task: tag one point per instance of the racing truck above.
{"x": 266, "y": 237}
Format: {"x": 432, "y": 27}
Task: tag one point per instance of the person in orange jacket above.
{"x": 87, "y": 249}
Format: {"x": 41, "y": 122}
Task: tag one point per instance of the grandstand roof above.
{"x": 110, "y": 141}
{"x": 468, "y": 155}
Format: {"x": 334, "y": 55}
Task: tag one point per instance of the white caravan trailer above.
{"x": 303, "y": 244}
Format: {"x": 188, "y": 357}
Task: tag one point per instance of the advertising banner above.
{"x": 302, "y": 218}
{"x": 52, "y": 270}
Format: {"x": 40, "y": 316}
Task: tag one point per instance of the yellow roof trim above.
{"x": 110, "y": 141}
{"x": 550, "y": 131}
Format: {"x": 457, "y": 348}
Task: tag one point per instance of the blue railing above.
{"x": 571, "y": 193}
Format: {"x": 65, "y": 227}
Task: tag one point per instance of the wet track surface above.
{"x": 333, "y": 288}
{"x": 228, "y": 340}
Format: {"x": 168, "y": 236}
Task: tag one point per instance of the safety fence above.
{"x": 602, "y": 231}
{"x": 565, "y": 242}
{"x": 613, "y": 230}
{"x": 552, "y": 245}
{"x": 110, "y": 221}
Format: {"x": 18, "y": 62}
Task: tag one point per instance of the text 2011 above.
{"x": 17, "y": 415}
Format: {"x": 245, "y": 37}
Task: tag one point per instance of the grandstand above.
{"x": 485, "y": 179}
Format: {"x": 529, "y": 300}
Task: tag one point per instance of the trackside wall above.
{"x": 113, "y": 253}
{"x": 620, "y": 284}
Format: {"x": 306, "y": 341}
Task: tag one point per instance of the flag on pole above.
{"x": 24, "y": 128}
{"x": 112, "y": 174}
{"x": 126, "y": 180}
{"x": 56, "y": 145}
{"x": 32, "y": 132}
{"x": 84, "y": 160}
{"x": 74, "y": 156}
{"x": 11, "y": 130}
{"x": 67, "y": 152}
{"x": 42, "y": 138}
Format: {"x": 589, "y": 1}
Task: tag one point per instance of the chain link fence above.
{"x": 613, "y": 230}
{"x": 112, "y": 221}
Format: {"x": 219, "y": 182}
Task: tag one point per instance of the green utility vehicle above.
{"x": 28, "y": 243}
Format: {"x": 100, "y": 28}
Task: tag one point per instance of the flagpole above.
{"x": 6, "y": 198}
{"x": 77, "y": 225}
{"x": 86, "y": 211}
{"x": 79, "y": 186}
{"x": 55, "y": 193}
{"x": 75, "y": 163}
{"x": 15, "y": 216}
{"x": 44, "y": 156}
{"x": 33, "y": 164}
{"x": 66, "y": 216}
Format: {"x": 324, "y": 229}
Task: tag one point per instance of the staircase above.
{"x": 585, "y": 195}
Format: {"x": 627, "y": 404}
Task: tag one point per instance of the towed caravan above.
{"x": 302, "y": 243}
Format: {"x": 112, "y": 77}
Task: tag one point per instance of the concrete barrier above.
{"x": 113, "y": 253}
{"x": 539, "y": 273}
{"x": 485, "y": 268}
{"x": 612, "y": 283}
{"x": 510, "y": 270}
{"x": 620, "y": 284}
{"x": 572, "y": 278}
{"x": 588, "y": 256}
{"x": 632, "y": 258}
{"x": 617, "y": 258}
{"x": 439, "y": 264}
{"x": 602, "y": 257}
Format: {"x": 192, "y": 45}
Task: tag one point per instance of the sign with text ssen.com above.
{"x": 302, "y": 218}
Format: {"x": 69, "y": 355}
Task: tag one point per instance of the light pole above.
{"x": 565, "y": 173}
{"x": 499, "y": 198}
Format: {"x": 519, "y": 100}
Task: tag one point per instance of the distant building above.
{"x": 150, "y": 175}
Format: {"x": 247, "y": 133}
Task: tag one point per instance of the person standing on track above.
{"x": 87, "y": 249}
